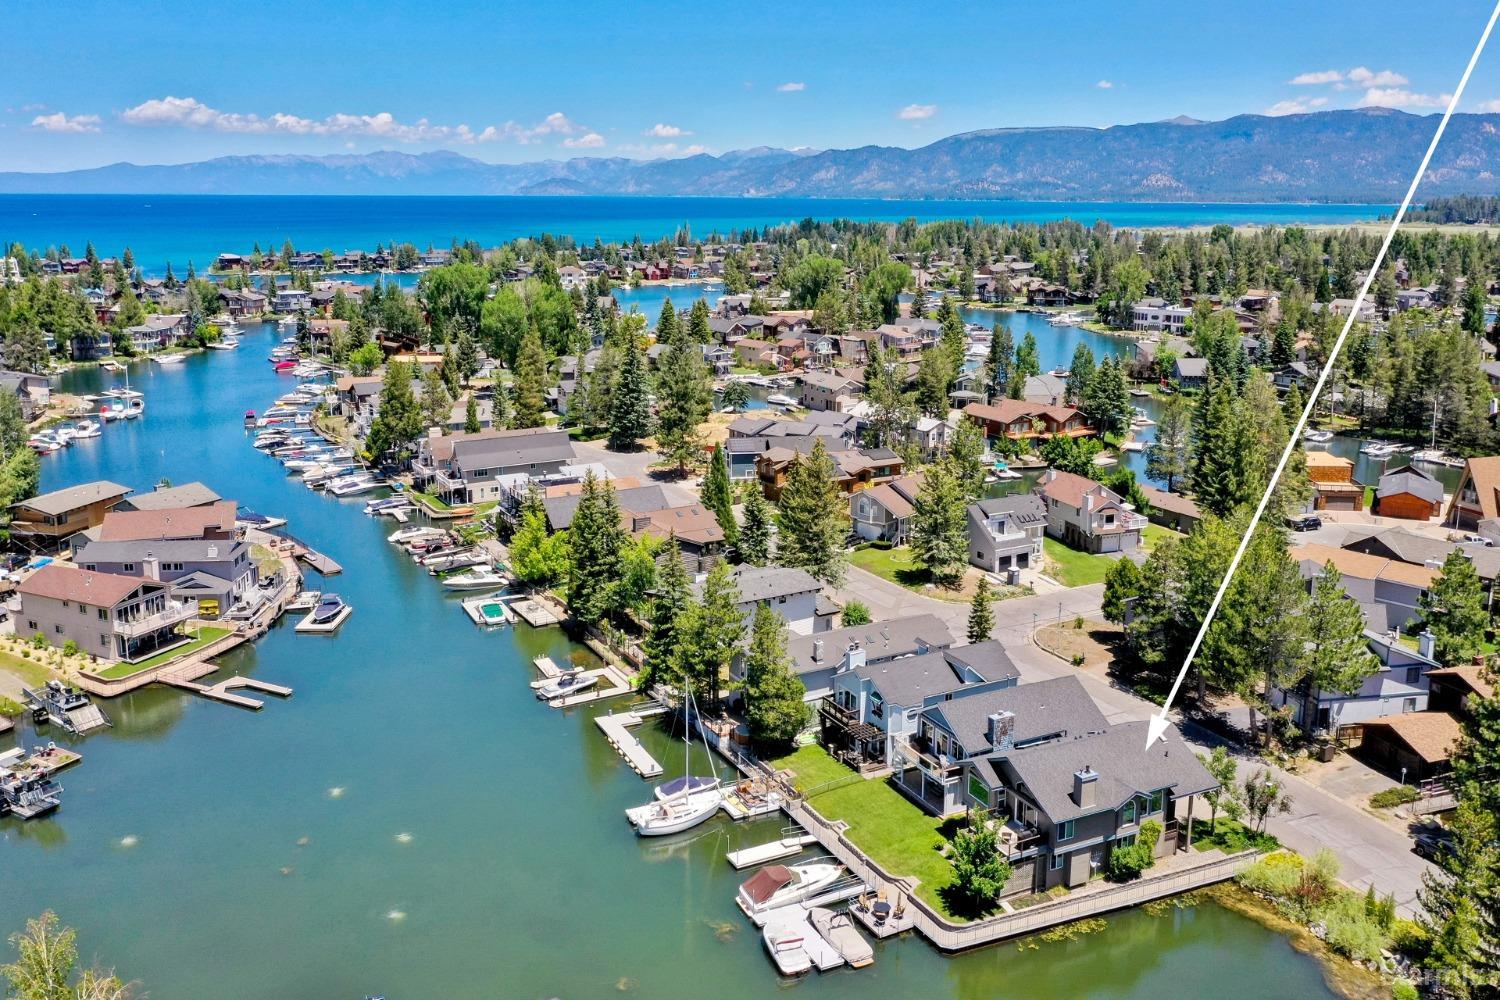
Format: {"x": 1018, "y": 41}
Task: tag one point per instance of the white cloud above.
{"x": 59, "y": 122}
{"x": 1394, "y": 97}
{"x": 1319, "y": 77}
{"x": 916, "y": 112}
{"x": 661, "y": 131}
{"x": 589, "y": 140}
{"x": 1360, "y": 76}
{"x": 791, "y": 87}
{"x": 1296, "y": 106}
{"x": 1488, "y": 107}
{"x": 189, "y": 112}
{"x": 1105, "y": 84}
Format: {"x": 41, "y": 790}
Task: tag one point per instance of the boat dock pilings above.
{"x": 617, "y": 728}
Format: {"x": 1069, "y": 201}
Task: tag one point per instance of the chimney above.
{"x": 1002, "y": 730}
{"x": 639, "y": 522}
{"x": 854, "y": 656}
{"x": 1426, "y": 643}
{"x": 817, "y": 653}
{"x": 151, "y": 567}
{"x": 1085, "y": 783}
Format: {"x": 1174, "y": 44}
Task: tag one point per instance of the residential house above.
{"x": 291, "y": 300}
{"x": 1154, "y": 315}
{"x": 829, "y": 390}
{"x": 1333, "y": 482}
{"x": 1477, "y": 498}
{"x": 46, "y": 520}
{"x": 1297, "y": 373}
{"x": 210, "y": 522}
{"x": 240, "y": 303}
{"x": 222, "y": 571}
{"x": 1085, "y": 515}
{"x": 105, "y": 615}
{"x": 1418, "y": 549}
{"x": 469, "y": 468}
{"x": 1389, "y": 591}
{"x": 884, "y": 512}
{"x": 1190, "y": 373}
{"x": 192, "y": 494}
{"x": 1170, "y": 510}
{"x": 816, "y": 658}
{"x": 853, "y": 468}
{"x": 1414, "y": 745}
{"x": 158, "y": 331}
{"x": 1408, "y": 493}
{"x": 753, "y": 353}
{"x": 1005, "y": 533}
{"x": 1399, "y": 685}
{"x": 1025, "y": 421}
{"x": 33, "y": 391}
{"x": 792, "y": 593}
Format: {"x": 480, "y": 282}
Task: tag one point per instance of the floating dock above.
{"x": 533, "y": 612}
{"x": 224, "y": 690}
{"x": 617, "y": 730}
{"x": 793, "y": 841}
{"x": 837, "y": 928}
{"x": 794, "y": 923}
{"x": 611, "y": 683}
{"x": 307, "y": 625}
{"x": 488, "y": 610}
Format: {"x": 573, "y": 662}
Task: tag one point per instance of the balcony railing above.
{"x": 133, "y": 627}
{"x": 921, "y": 751}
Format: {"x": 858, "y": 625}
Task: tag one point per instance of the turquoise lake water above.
{"x": 519, "y": 877}
{"x": 179, "y": 228}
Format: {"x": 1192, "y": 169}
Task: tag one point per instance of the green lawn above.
{"x": 428, "y": 499}
{"x": 206, "y": 635}
{"x": 1073, "y": 568}
{"x": 895, "y": 565}
{"x": 883, "y": 823}
{"x": 1155, "y": 534}
{"x": 1230, "y": 836}
{"x": 30, "y": 672}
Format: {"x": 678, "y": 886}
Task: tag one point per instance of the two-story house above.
{"x": 1388, "y": 590}
{"x": 1026, "y": 421}
{"x": 218, "y": 574}
{"x": 106, "y": 615}
{"x": 884, "y": 512}
{"x": 829, "y": 390}
{"x": 818, "y": 657}
{"x": 1400, "y": 685}
{"x": 1477, "y": 496}
{"x": 1005, "y": 533}
{"x": 1088, "y": 516}
{"x": 792, "y": 593}
{"x": 47, "y": 519}
{"x": 471, "y": 468}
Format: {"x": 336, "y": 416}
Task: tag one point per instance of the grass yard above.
{"x": 898, "y": 566}
{"x": 206, "y": 635}
{"x": 883, "y": 823}
{"x": 427, "y": 498}
{"x": 1155, "y": 534}
{"x": 1073, "y": 568}
{"x": 1230, "y": 836}
{"x": 31, "y": 673}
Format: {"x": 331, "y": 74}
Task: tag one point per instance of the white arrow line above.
{"x": 1159, "y": 722}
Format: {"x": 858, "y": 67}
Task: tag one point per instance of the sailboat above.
{"x": 685, "y": 808}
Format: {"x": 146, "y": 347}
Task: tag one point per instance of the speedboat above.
{"x": 387, "y": 503}
{"x": 688, "y": 783}
{"x": 86, "y": 429}
{"x": 169, "y": 359}
{"x": 661, "y": 817}
{"x": 1066, "y": 319}
{"x": 566, "y": 684}
{"x": 475, "y": 578}
{"x": 780, "y": 399}
{"x": 225, "y": 344}
{"x": 775, "y": 886}
{"x": 285, "y": 366}
{"x": 354, "y": 485}
{"x": 328, "y": 608}
{"x": 43, "y": 445}
{"x": 412, "y": 532}
{"x": 262, "y": 521}
{"x": 786, "y": 943}
{"x": 442, "y": 562}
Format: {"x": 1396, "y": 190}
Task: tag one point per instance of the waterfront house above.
{"x": 816, "y": 658}
{"x": 213, "y": 522}
{"x": 291, "y": 300}
{"x": 853, "y": 468}
{"x": 753, "y": 353}
{"x": 158, "y": 331}
{"x": 1190, "y": 373}
{"x": 1418, "y": 549}
{"x": 240, "y": 303}
{"x": 1333, "y": 482}
{"x": 1477, "y": 498}
{"x": 1025, "y": 421}
{"x": 731, "y": 330}
{"x": 929, "y": 434}
{"x": 193, "y": 494}
{"x": 1389, "y": 591}
{"x": 938, "y": 766}
{"x": 829, "y": 390}
{"x": 232, "y": 574}
{"x": 1006, "y": 532}
{"x": 106, "y": 615}
{"x": 1408, "y": 493}
{"x": 884, "y": 512}
{"x": 872, "y": 714}
{"x": 1296, "y": 373}
{"x": 1170, "y": 510}
{"x": 468, "y": 468}
{"x": 1154, "y": 315}
{"x": 1088, "y": 516}
{"x": 33, "y": 391}
{"x": 792, "y": 593}
{"x": 46, "y": 520}
{"x": 1400, "y": 685}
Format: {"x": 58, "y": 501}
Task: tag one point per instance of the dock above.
{"x": 617, "y": 730}
{"x": 793, "y": 840}
{"x": 794, "y": 923}
{"x": 487, "y": 610}
{"x": 837, "y": 928}
{"x": 307, "y": 625}
{"x": 309, "y": 555}
{"x": 224, "y": 690}
{"x": 533, "y": 612}
{"x": 6, "y": 725}
{"x": 612, "y": 684}
{"x": 44, "y": 761}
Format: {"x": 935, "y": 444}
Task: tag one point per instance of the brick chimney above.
{"x": 1002, "y": 730}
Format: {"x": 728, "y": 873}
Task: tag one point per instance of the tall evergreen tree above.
{"x": 1000, "y": 363}
{"x": 966, "y": 449}
{"x": 1081, "y": 374}
{"x": 755, "y": 533}
{"x": 940, "y": 526}
{"x": 630, "y": 403}
{"x": 530, "y": 390}
{"x": 674, "y": 593}
{"x": 1338, "y": 657}
{"x": 718, "y": 495}
{"x": 775, "y": 698}
{"x": 710, "y": 631}
{"x": 982, "y": 611}
{"x": 398, "y": 419}
{"x": 684, "y": 392}
{"x": 597, "y": 541}
{"x": 1028, "y": 360}
{"x": 1454, "y": 612}
{"x": 813, "y": 520}
{"x": 471, "y": 416}
{"x": 1167, "y": 457}
{"x": 437, "y": 405}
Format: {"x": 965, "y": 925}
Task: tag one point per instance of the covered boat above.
{"x": 775, "y": 886}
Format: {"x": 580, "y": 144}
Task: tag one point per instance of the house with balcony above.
{"x": 1085, "y": 515}
{"x": 936, "y": 766}
{"x": 829, "y": 390}
{"x": 218, "y": 574}
{"x": 158, "y": 331}
{"x": 1154, "y": 315}
{"x": 472, "y": 468}
{"x": 1334, "y": 485}
{"x": 854, "y": 469}
{"x": 1389, "y": 591}
{"x": 792, "y": 593}
{"x": 107, "y": 615}
{"x": 1401, "y": 684}
{"x": 817, "y": 657}
{"x": 873, "y": 712}
{"x": 1005, "y": 533}
{"x": 291, "y": 300}
{"x": 1026, "y": 421}
{"x": 46, "y": 520}
{"x": 884, "y": 513}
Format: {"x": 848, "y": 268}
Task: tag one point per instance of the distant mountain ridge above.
{"x": 1362, "y": 155}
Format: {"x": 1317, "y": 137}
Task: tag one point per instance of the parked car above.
{"x": 1307, "y": 522}
{"x": 1432, "y": 842}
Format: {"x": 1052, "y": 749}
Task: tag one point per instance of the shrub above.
{"x": 1402, "y": 989}
{"x": 70, "y": 648}
{"x": 855, "y": 613}
{"x": 1275, "y": 875}
{"x": 1392, "y": 797}
{"x": 1409, "y": 938}
{"x": 1127, "y": 863}
{"x": 10, "y": 709}
{"x": 1350, "y": 931}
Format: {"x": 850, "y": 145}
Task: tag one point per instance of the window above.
{"x": 1409, "y": 705}
{"x": 58, "y": 629}
{"x": 1413, "y": 675}
{"x": 127, "y": 568}
{"x": 103, "y": 614}
{"x": 83, "y": 609}
{"x": 67, "y": 604}
{"x": 1156, "y": 803}
{"x": 1055, "y": 862}
{"x": 1127, "y": 815}
{"x": 1065, "y": 831}
{"x": 31, "y": 625}
{"x": 103, "y": 640}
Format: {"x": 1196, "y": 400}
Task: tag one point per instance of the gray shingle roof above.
{"x": 186, "y": 495}
{"x": 62, "y": 501}
{"x": 1124, "y": 765}
{"x": 634, "y": 500}
{"x": 166, "y": 550}
{"x": 1026, "y": 508}
{"x": 1410, "y": 480}
{"x": 911, "y": 679}
{"x": 879, "y": 640}
{"x": 764, "y": 583}
{"x": 1055, "y": 709}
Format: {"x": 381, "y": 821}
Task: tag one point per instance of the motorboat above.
{"x": 412, "y": 532}
{"x": 328, "y": 608}
{"x": 169, "y": 359}
{"x": 281, "y": 367}
{"x": 112, "y": 410}
{"x": 1132, "y": 445}
{"x": 249, "y": 418}
{"x": 475, "y": 578}
{"x": 354, "y": 485}
{"x": 661, "y": 817}
{"x": 1066, "y": 319}
{"x": 1378, "y": 449}
{"x": 263, "y": 521}
{"x": 225, "y": 344}
{"x": 1318, "y": 437}
{"x": 387, "y": 503}
{"x": 1140, "y": 392}
{"x": 688, "y": 783}
{"x": 442, "y": 562}
{"x": 86, "y": 429}
{"x": 43, "y": 445}
{"x": 775, "y": 886}
{"x": 786, "y": 943}
{"x": 781, "y": 399}
{"x": 567, "y": 684}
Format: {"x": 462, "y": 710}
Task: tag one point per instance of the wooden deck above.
{"x": 224, "y": 690}
{"x": 617, "y": 730}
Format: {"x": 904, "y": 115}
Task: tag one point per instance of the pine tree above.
{"x": 539, "y": 556}
{"x": 1338, "y": 657}
{"x": 1122, "y": 582}
{"x": 1028, "y": 361}
{"x": 776, "y": 708}
{"x": 471, "y": 416}
{"x": 597, "y": 540}
{"x": 698, "y": 330}
{"x": 982, "y": 611}
{"x": 710, "y": 631}
{"x": 1454, "y": 612}
{"x": 940, "y": 528}
{"x": 674, "y": 593}
{"x": 1081, "y": 374}
{"x": 755, "y": 533}
{"x": 1001, "y": 362}
{"x": 1108, "y": 400}
{"x": 437, "y": 406}
{"x": 684, "y": 391}
{"x": 813, "y": 520}
{"x": 718, "y": 495}
{"x": 630, "y": 405}
{"x": 1167, "y": 456}
{"x": 966, "y": 453}
{"x": 466, "y": 355}
{"x": 529, "y": 393}
{"x": 398, "y": 419}
{"x": 666, "y": 323}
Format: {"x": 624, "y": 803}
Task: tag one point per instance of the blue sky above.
{"x": 90, "y": 83}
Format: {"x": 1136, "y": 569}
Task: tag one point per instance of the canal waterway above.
{"x": 413, "y": 823}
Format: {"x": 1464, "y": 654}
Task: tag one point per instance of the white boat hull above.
{"x": 659, "y": 819}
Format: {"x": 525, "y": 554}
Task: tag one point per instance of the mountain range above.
{"x": 1361, "y": 155}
